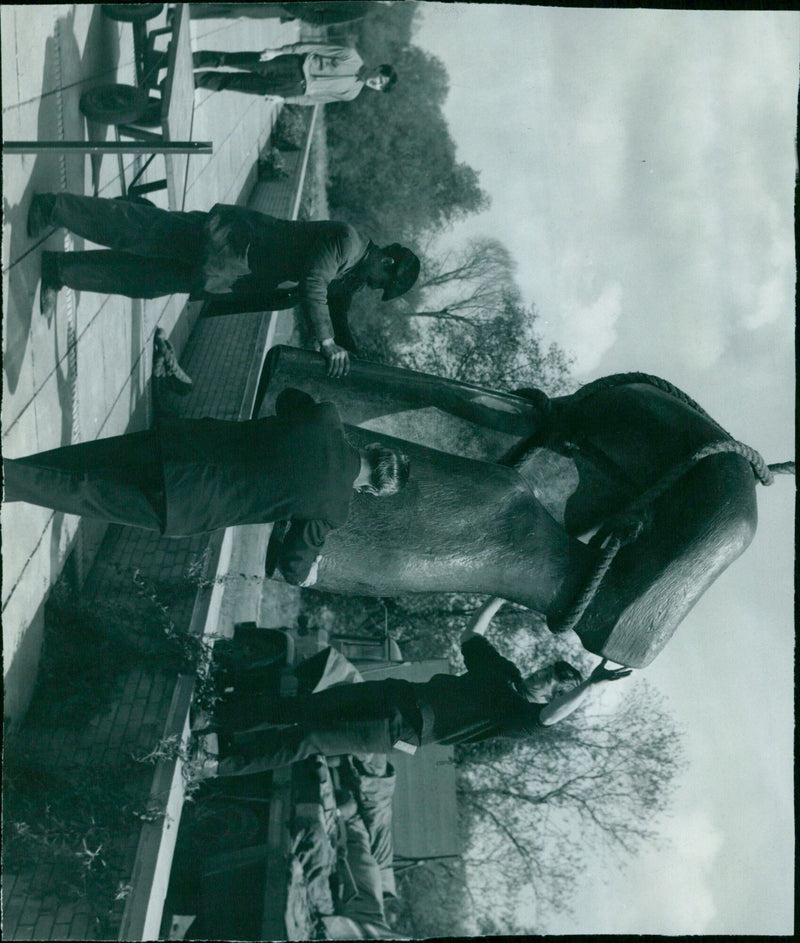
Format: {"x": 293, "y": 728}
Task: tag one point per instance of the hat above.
{"x": 406, "y": 271}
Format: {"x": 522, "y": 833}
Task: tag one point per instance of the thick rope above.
{"x": 623, "y": 379}
{"x": 626, "y": 527}
{"x": 614, "y": 544}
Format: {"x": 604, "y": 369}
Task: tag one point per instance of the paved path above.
{"x": 85, "y": 374}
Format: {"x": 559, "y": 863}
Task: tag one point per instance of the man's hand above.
{"x": 337, "y": 357}
{"x": 313, "y": 573}
{"x": 601, "y": 673}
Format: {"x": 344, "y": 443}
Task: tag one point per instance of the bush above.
{"x": 289, "y": 133}
{"x": 67, "y": 832}
{"x": 87, "y": 645}
{"x": 271, "y": 165}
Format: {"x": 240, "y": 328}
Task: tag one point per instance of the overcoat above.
{"x": 295, "y": 465}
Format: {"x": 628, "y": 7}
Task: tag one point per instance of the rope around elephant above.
{"x": 626, "y": 527}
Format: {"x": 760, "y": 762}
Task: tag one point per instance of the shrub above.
{"x": 289, "y": 133}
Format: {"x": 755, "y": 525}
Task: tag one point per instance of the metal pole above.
{"x": 108, "y": 147}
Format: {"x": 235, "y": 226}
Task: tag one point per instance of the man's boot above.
{"x": 40, "y": 213}
{"x": 51, "y": 284}
{"x": 165, "y": 364}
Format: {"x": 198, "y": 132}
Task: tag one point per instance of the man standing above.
{"x": 192, "y": 476}
{"x": 491, "y": 699}
{"x": 231, "y": 252}
{"x": 301, "y": 73}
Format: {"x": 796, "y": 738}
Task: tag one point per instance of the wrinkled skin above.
{"x": 508, "y": 524}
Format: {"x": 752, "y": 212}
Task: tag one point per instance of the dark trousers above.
{"x": 369, "y": 717}
{"x": 118, "y": 479}
{"x": 281, "y": 76}
{"x": 154, "y": 252}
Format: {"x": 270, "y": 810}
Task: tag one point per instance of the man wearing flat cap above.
{"x": 230, "y": 252}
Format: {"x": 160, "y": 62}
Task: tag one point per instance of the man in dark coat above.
{"x": 491, "y": 699}
{"x": 191, "y": 476}
{"x": 230, "y": 251}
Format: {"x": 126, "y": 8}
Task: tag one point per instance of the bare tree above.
{"x": 537, "y": 811}
{"x": 464, "y": 285}
{"x": 503, "y": 351}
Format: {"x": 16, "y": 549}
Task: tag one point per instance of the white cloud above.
{"x": 666, "y": 890}
{"x": 589, "y": 330}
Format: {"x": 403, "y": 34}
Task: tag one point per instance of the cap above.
{"x": 406, "y": 271}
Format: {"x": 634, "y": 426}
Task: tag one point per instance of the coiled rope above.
{"x": 69, "y": 295}
{"x": 72, "y": 334}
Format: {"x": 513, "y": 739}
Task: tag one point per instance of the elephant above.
{"x": 609, "y": 511}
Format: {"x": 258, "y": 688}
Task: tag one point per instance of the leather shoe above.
{"x": 39, "y": 213}
{"x": 51, "y": 283}
{"x": 165, "y": 363}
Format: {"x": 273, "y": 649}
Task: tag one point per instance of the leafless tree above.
{"x": 463, "y": 285}
{"x": 536, "y": 812}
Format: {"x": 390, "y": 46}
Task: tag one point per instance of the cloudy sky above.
{"x": 641, "y": 165}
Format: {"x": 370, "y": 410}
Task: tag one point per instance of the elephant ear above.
{"x": 698, "y": 527}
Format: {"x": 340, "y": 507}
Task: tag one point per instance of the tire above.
{"x": 131, "y": 12}
{"x": 114, "y": 104}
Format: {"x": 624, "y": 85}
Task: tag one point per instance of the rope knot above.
{"x": 623, "y": 528}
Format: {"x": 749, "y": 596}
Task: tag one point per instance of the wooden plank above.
{"x": 144, "y": 906}
{"x": 273, "y": 924}
{"x": 177, "y": 107}
{"x": 109, "y": 147}
{"x": 304, "y": 165}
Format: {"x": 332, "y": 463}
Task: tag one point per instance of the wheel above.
{"x": 114, "y": 104}
{"x": 131, "y": 12}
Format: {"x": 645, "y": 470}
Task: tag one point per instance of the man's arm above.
{"x": 320, "y": 98}
{"x": 482, "y": 618}
{"x": 332, "y": 256}
{"x": 480, "y": 656}
{"x": 339, "y": 301}
{"x": 328, "y": 50}
{"x": 563, "y": 705}
{"x": 301, "y": 547}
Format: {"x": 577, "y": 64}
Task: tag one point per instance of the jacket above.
{"x": 331, "y": 73}
{"x": 294, "y": 465}
{"x": 482, "y": 703}
{"x": 248, "y": 253}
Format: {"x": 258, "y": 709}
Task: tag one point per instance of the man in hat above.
{"x": 193, "y": 476}
{"x": 491, "y": 699}
{"x": 229, "y": 252}
{"x": 300, "y": 73}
